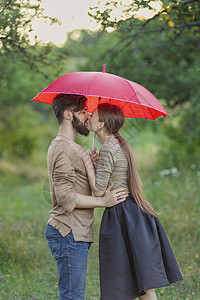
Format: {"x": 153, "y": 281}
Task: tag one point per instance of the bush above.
{"x": 183, "y": 144}
{"x": 20, "y": 130}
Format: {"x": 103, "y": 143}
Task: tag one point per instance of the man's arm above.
{"x": 63, "y": 181}
{"x": 109, "y": 199}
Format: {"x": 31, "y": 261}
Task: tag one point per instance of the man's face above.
{"x": 79, "y": 121}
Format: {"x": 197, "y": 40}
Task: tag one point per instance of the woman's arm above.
{"x": 104, "y": 170}
{"x": 105, "y": 164}
{"x": 94, "y": 157}
{"x": 90, "y": 172}
{"x": 92, "y": 177}
{"x": 106, "y": 161}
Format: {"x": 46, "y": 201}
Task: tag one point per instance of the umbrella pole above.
{"x": 93, "y": 143}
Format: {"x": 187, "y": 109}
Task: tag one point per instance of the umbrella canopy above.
{"x": 101, "y": 87}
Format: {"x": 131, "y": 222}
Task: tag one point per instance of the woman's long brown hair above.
{"x": 113, "y": 119}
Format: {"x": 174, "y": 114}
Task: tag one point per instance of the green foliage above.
{"x": 20, "y": 130}
{"x": 15, "y": 23}
{"x": 174, "y": 15}
{"x": 183, "y": 145}
{"x": 19, "y": 120}
{"x": 21, "y": 81}
{"x": 16, "y": 18}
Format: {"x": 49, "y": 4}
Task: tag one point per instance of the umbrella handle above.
{"x": 93, "y": 141}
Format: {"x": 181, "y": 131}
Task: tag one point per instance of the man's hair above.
{"x": 70, "y": 102}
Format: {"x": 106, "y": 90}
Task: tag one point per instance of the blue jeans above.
{"x": 71, "y": 257}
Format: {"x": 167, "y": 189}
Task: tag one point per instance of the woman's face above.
{"x": 93, "y": 121}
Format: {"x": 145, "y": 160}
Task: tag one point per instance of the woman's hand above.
{"x": 114, "y": 197}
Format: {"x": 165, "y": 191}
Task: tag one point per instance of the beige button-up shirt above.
{"x": 68, "y": 176}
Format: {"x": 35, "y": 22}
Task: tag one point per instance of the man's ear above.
{"x": 101, "y": 125}
{"x": 68, "y": 115}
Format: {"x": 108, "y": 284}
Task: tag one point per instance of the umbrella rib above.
{"x": 151, "y": 114}
{"x": 134, "y": 92}
{"x": 90, "y": 84}
{"x": 145, "y": 104}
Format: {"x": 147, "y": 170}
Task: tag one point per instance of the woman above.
{"x": 135, "y": 254}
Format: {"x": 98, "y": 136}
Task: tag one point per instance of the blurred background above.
{"x": 154, "y": 43}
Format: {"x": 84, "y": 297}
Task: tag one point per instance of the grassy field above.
{"x": 27, "y": 270}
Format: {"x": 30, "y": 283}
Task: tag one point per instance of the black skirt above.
{"x": 135, "y": 254}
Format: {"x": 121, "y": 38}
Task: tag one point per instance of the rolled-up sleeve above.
{"x": 63, "y": 178}
{"x": 106, "y": 161}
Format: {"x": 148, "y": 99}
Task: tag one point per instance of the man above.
{"x": 69, "y": 230}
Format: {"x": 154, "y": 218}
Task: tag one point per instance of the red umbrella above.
{"x": 134, "y": 99}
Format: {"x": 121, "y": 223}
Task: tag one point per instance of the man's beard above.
{"x": 79, "y": 126}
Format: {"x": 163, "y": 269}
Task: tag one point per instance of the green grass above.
{"x": 27, "y": 270}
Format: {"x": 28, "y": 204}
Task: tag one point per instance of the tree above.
{"x": 16, "y": 18}
{"x": 173, "y": 20}
{"x": 25, "y": 69}
{"x": 21, "y": 63}
{"x": 174, "y": 16}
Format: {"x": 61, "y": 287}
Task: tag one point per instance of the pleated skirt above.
{"x": 134, "y": 252}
